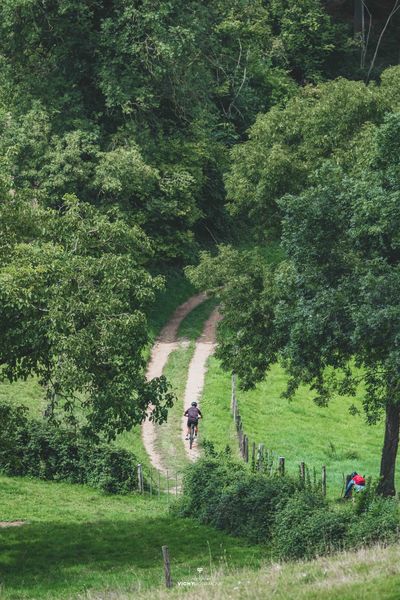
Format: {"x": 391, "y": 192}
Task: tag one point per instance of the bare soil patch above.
{"x": 205, "y": 347}
{"x": 5, "y": 524}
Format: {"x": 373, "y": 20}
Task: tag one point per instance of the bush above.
{"x": 307, "y": 527}
{"x": 223, "y": 493}
{"x": 203, "y": 485}
{"x": 36, "y": 449}
{"x": 292, "y": 514}
{"x": 379, "y": 522}
{"x": 248, "y": 506}
{"x": 113, "y": 470}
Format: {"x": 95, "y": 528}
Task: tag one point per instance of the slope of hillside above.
{"x": 298, "y": 430}
{"x": 76, "y": 539}
{"x": 369, "y": 574}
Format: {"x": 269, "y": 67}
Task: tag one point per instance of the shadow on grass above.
{"x": 72, "y": 557}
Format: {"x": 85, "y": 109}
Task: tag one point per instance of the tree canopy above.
{"x": 329, "y": 310}
{"x": 117, "y": 124}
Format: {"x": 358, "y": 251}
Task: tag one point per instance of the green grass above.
{"x": 217, "y": 425}
{"x": 298, "y": 430}
{"x": 192, "y": 325}
{"x": 28, "y": 393}
{"x": 369, "y": 574}
{"x": 168, "y": 441}
{"x": 77, "y": 539}
{"x": 302, "y": 431}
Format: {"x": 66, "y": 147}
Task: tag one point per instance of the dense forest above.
{"x": 136, "y": 136}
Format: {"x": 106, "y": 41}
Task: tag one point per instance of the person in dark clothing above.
{"x": 193, "y": 414}
{"x": 356, "y": 482}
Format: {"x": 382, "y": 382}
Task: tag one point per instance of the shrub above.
{"x": 248, "y": 506}
{"x": 379, "y": 522}
{"x": 223, "y": 493}
{"x": 307, "y": 527}
{"x": 203, "y": 484}
{"x": 291, "y": 513}
{"x": 113, "y": 470}
{"x": 37, "y": 449}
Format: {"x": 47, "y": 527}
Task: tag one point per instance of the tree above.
{"x": 287, "y": 144}
{"x": 330, "y": 310}
{"x": 73, "y": 299}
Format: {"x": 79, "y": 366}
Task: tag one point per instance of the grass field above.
{"x": 77, "y": 539}
{"x": 369, "y": 574}
{"x": 298, "y": 430}
{"x": 217, "y": 425}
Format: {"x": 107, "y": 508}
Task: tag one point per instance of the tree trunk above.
{"x": 389, "y": 451}
{"x": 359, "y": 24}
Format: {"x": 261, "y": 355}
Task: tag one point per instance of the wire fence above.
{"x": 266, "y": 460}
{"x": 159, "y": 485}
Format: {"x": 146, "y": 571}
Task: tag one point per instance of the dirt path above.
{"x": 205, "y": 346}
{"x": 165, "y": 344}
{"x": 5, "y": 524}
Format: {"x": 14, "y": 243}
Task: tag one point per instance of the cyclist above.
{"x": 193, "y": 413}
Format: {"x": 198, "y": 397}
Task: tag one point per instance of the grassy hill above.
{"x": 298, "y": 430}
{"x": 77, "y": 539}
{"x": 369, "y": 574}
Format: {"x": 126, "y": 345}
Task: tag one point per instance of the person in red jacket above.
{"x": 356, "y": 482}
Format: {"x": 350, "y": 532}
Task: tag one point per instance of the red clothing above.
{"x": 358, "y": 480}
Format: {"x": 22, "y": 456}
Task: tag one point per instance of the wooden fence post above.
{"x": 281, "y": 465}
{"x": 246, "y": 448}
{"x": 303, "y": 471}
{"x": 167, "y": 566}
{"x": 260, "y": 456}
{"x": 324, "y": 480}
{"x": 233, "y": 399}
{"x": 140, "y": 478}
{"x": 253, "y": 456}
{"x": 159, "y": 484}
{"x": 167, "y": 486}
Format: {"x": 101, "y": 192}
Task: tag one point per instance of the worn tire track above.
{"x": 165, "y": 344}
{"x": 205, "y": 347}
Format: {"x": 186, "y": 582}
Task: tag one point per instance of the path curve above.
{"x": 205, "y": 347}
{"x": 165, "y": 344}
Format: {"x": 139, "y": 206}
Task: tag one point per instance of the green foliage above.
{"x": 203, "y": 484}
{"x": 38, "y": 449}
{"x": 308, "y": 40}
{"x": 332, "y": 304}
{"x": 222, "y": 493}
{"x": 288, "y": 144}
{"x": 230, "y": 276}
{"x": 379, "y": 522}
{"x": 248, "y": 507}
{"x": 307, "y": 527}
{"x": 73, "y": 308}
{"x": 289, "y": 514}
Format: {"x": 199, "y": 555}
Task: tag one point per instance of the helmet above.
{"x": 194, "y": 403}
{"x": 353, "y": 474}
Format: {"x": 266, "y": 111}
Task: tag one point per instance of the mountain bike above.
{"x": 191, "y": 435}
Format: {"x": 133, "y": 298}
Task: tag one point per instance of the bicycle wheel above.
{"x": 191, "y": 437}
